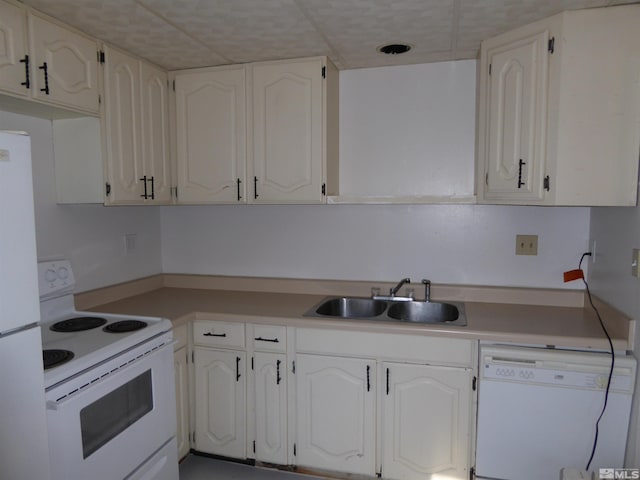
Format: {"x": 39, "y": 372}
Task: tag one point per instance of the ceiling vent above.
{"x": 394, "y": 48}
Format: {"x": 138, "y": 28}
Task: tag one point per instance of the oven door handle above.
{"x": 59, "y": 404}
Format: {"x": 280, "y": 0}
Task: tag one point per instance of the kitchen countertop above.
{"x": 570, "y": 327}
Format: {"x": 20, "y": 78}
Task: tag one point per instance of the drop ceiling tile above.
{"x": 132, "y": 27}
{"x": 355, "y": 28}
{"x": 244, "y": 31}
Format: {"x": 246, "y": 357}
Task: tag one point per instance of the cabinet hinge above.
{"x": 174, "y": 85}
{"x": 489, "y": 69}
{"x": 254, "y": 446}
{"x": 546, "y": 183}
{"x": 474, "y": 383}
{"x": 293, "y": 367}
{"x": 108, "y": 188}
{"x": 486, "y": 179}
{"x": 99, "y": 99}
{"x": 193, "y": 357}
{"x": 324, "y": 72}
{"x": 174, "y": 192}
{"x": 552, "y": 44}
{"x": 324, "y": 189}
{"x": 101, "y": 56}
{"x": 472, "y": 473}
{"x": 193, "y": 438}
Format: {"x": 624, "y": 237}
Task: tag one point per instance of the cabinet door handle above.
{"x": 255, "y": 187}
{"x": 272, "y": 340}
{"x": 238, "y": 182}
{"x": 153, "y": 189}
{"x": 144, "y": 180}
{"x": 278, "y": 379}
{"x": 209, "y": 334}
{"x": 520, "y": 182}
{"x": 387, "y": 381}
{"x": 368, "y": 378}
{"x": 45, "y": 68}
{"x": 27, "y": 82}
{"x": 237, "y": 369}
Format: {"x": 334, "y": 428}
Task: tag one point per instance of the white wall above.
{"x": 91, "y": 236}
{"x": 616, "y": 232}
{"x": 467, "y": 244}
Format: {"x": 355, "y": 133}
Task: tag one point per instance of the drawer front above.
{"x": 218, "y": 334}
{"x": 269, "y": 338}
{"x": 180, "y": 336}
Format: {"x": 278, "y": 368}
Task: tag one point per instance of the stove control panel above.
{"x": 55, "y": 278}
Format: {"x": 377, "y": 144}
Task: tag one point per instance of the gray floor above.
{"x": 195, "y": 467}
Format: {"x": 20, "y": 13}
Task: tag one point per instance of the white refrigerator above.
{"x": 24, "y": 450}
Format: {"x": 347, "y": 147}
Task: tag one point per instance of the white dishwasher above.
{"x": 537, "y": 410}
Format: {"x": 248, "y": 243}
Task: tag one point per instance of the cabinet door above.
{"x": 64, "y": 66}
{"x": 336, "y": 413}
{"x": 155, "y": 133}
{"x": 287, "y": 136}
{"x": 270, "y": 407}
{"x": 211, "y": 136}
{"x": 123, "y": 135}
{"x": 220, "y": 403}
{"x": 513, "y": 147}
{"x": 14, "y": 66}
{"x": 426, "y": 417}
{"x": 182, "y": 401}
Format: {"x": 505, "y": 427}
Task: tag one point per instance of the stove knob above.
{"x": 50, "y": 275}
{"x": 63, "y": 273}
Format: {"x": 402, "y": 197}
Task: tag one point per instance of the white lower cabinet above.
{"x": 426, "y": 422}
{"x": 220, "y": 403}
{"x": 336, "y": 414}
{"x": 270, "y": 397}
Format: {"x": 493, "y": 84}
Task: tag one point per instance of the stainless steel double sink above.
{"x": 361, "y": 308}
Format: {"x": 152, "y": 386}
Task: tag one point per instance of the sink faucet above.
{"x": 427, "y": 289}
{"x": 396, "y": 289}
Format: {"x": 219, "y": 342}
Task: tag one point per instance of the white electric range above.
{"x": 109, "y": 387}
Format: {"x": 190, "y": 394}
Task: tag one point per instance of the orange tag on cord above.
{"x": 572, "y": 275}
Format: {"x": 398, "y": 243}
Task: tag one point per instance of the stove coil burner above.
{"x": 124, "y": 326}
{"x": 53, "y": 358}
{"x": 78, "y": 324}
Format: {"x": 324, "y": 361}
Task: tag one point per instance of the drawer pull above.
{"x": 278, "y": 378}
{"x": 237, "y": 369}
{"x": 272, "y": 340}
{"x": 209, "y": 334}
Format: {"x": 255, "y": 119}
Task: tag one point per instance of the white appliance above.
{"x": 109, "y": 388}
{"x": 23, "y": 432}
{"x": 537, "y": 410}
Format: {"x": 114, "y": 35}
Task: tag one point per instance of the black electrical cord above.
{"x": 606, "y": 393}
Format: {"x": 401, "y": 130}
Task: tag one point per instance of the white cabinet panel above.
{"x": 220, "y": 403}
{"x": 270, "y": 390}
{"x": 64, "y": 66}
{"x": 211, "y": 135}
{"x": 336, "y": 413}
{"x": 287, "y": 122}
{"x": 426, "y": 422}
{"x": 14, "y": 59}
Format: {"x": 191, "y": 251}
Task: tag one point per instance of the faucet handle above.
{"x": 427, "y": 289}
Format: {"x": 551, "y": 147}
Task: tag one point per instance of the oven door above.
{"x": 114, "y": 421}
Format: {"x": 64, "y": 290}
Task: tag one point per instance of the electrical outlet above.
{"x": 130, "y": 243}
{"x": 526, "y": 245}
{"x": 635, "y": 259}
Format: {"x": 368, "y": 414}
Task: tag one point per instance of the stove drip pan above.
{"x": 53, "y": 358}
{"x": 125, "y": 326}
{"x": 78, "y": 324}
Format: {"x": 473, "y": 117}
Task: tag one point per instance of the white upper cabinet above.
{"x": 211, "y": 135}
{"x": 43, "y": 60}
{"x": 559, "y": 111}
{"x": 64, "y": 66}
{"x": 287, "y": 159}
{"x": 260, "y": 133}
{"x": 136, "y": 131}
